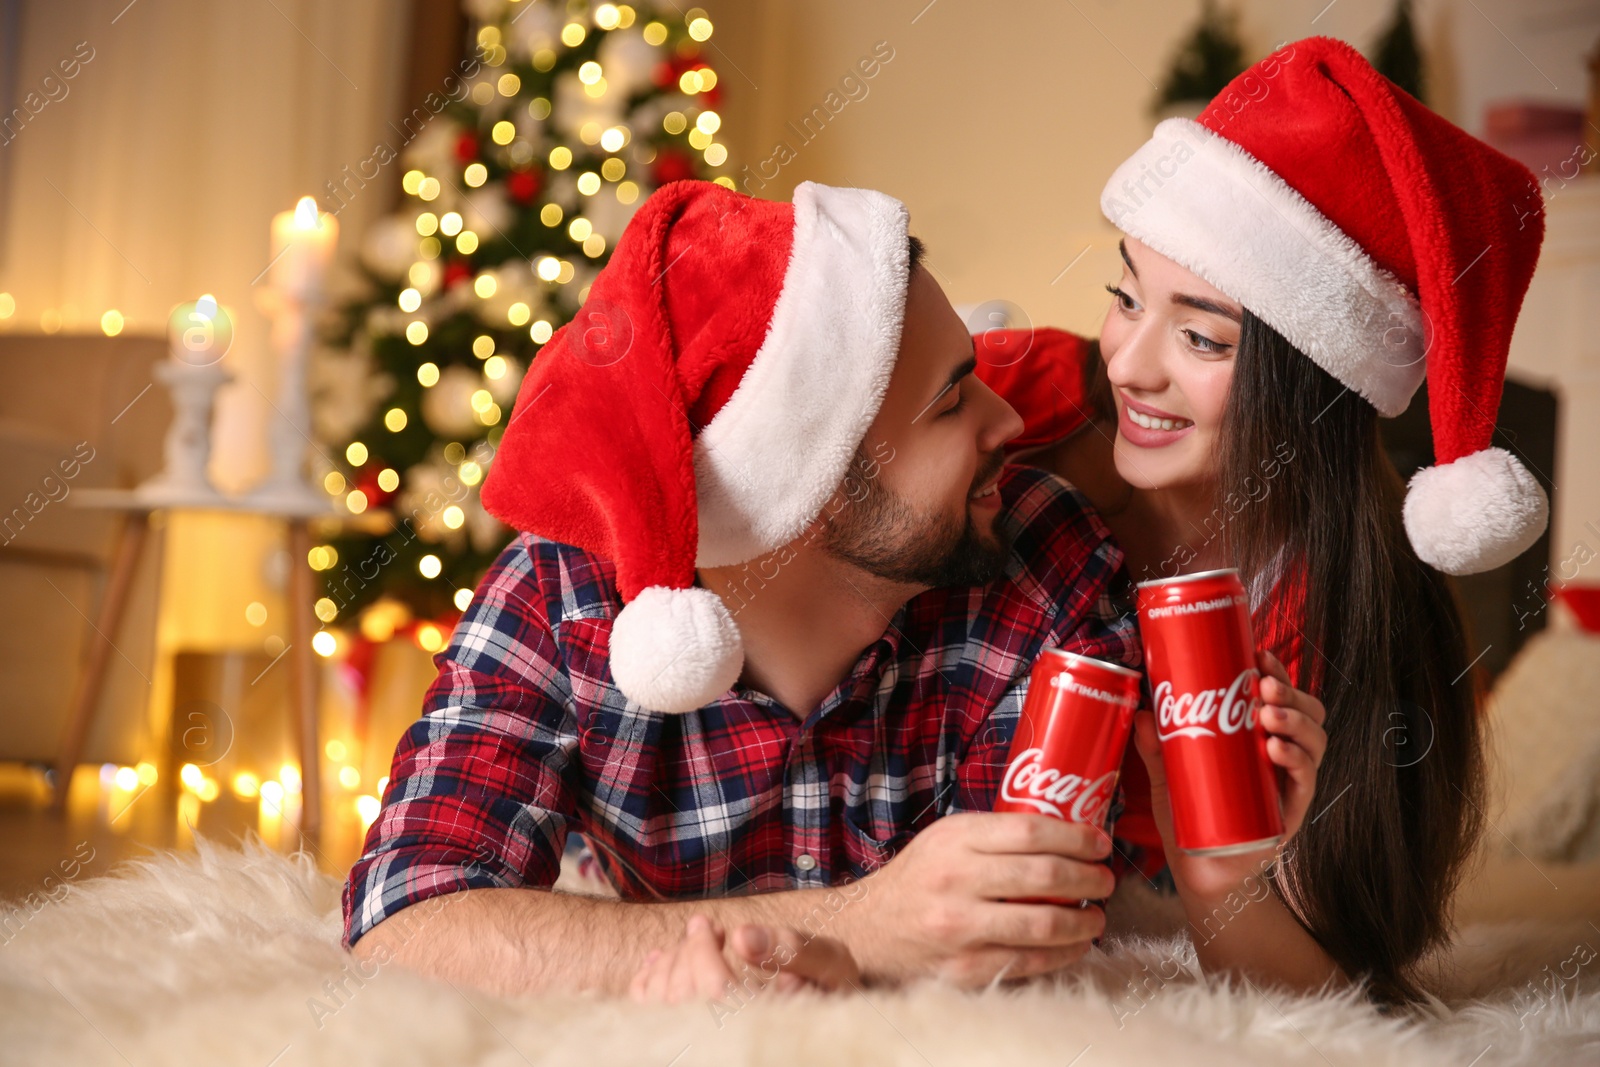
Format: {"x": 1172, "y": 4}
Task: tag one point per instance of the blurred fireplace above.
{"x": 1509, "y": 604}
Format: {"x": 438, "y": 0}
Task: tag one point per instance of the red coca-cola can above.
{"x": 1201, "y": 658}
{"x": 1069, "y": 741}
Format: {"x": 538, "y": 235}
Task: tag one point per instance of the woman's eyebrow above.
{"x": 1200, "y": 303}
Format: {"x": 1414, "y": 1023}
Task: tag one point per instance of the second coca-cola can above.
{"x": 1069, "y": 741}
{"x": 1205, "y": 687}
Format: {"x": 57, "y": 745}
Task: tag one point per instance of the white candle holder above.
{"x": 198, "y": 335}
{"x": 286, "y": 487}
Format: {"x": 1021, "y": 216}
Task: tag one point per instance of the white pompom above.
{"x": 675, "y": 650}
{"x": 1476, "y": 513}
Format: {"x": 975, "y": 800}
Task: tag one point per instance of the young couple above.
{"x": 766, "y": 631}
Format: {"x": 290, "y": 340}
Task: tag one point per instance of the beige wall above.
{"x": 998, "y": 123}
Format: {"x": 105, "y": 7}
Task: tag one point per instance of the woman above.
{"x": 1292, "y": 262}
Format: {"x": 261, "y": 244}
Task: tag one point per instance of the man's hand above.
{"x": 697, "y": 967}
{"x": 947, "y": 904}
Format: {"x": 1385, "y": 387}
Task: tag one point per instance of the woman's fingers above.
{"x": 694, "y": 967}
{"x": 1298, "y": 754}
{"x": 701, "y": 969}
{"x": 1272, "y": 666}
{"x": 1290, "y": 756}
{"x": 1294, "y": 725}
{"x": 1301, "y": 784}
{"x": 1276, "y": 688}
{"x": 659, "y": 971}
{"x": 698, "y": 967}
{"x": 641, "y": 978}
{"x": 1274, "y": 691}
{"x": 1297, "y": 740}
{"x": 783, "y": 956}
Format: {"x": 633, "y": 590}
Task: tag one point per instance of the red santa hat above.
{"x": 1040, "y": 371}
{"x": 1383, "y": 242}
{"x": 703, "y": 406}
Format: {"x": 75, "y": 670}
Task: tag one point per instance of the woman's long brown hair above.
{"x": 1373, "y": 871}
{"x": 1400, "y": 792}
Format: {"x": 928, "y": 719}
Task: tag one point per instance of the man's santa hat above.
{"x": 1380, "y": 240}
{"x": 703, "y": 406}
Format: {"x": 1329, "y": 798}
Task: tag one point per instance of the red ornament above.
{"x": 456, "y": 271}
{"x": 669, "y": 71}
{"x": 367, "y": 482}
{"x": 524, "y": 185}
{"x": 671, "y": 165}
{"x": 467, "y": 147}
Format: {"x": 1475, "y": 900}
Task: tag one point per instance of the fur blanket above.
{"x": 229, "y": 955}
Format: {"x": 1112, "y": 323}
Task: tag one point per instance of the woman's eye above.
{"x": 1204, "y": 343}
{"x": 1124, "y": 301}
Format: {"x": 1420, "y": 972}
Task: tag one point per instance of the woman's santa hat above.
{"x": 703, "y": 406}
{"x": 1380, "y": 240}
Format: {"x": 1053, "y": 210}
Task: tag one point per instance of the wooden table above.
{"x": 302, "y": 662}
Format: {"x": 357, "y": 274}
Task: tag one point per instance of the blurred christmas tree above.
{"x": 1208, "y": 60}
{"x": 1396, "y": 55}
{"x": 517, "y": 188}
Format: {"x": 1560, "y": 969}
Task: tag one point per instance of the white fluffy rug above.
{"x": 223, "y": 956}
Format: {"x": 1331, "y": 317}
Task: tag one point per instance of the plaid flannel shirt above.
{"x": 524, "y": 738}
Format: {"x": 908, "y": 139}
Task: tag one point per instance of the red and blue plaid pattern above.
{"x": 524, "y": 738}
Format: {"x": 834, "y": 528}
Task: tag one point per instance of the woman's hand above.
{"x": 697, "y": 967}
{"x": 1297, "y": 741}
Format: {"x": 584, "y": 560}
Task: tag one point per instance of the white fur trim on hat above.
{"x": 1208, "y": 205}
{"x": 675, "y": 650}
{"x": 767, "y": 463}
{"x": 1476, "y": 513}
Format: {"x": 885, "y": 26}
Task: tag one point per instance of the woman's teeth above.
{"x": 1140, "y": 419}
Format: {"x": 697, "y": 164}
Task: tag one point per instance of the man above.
{"x": 766, "y": 413}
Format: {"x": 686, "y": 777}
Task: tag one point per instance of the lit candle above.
{"x": 199, "y": 332}
{"x": 270, "y": 814}
{"x": 302, "y": 247}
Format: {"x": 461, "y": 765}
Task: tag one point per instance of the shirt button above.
{"x": 805, "y": 861}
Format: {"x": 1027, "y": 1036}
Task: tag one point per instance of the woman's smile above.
{"x": 1149, "y": 427}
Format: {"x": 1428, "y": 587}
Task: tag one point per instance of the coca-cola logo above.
{"x": 1068, "y": 796}
{"x": 1209, "y": 712}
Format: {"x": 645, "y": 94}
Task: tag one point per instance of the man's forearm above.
{"x": 522, "y": 941}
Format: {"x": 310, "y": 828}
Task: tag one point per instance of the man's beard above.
{"x": 885, "y": 535}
